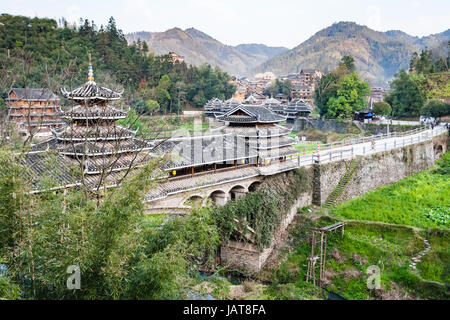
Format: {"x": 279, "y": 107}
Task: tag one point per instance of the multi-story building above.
{"x": 35, "y": 110}
{"x": 175, "y": 57}
{"x": 302, "y": 92}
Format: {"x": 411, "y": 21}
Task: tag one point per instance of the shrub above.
{"x": 261, "y": 210}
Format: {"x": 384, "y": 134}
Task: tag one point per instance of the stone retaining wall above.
{"x": 373, "y": 171}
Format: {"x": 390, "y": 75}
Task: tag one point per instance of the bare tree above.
{"x": 102, "y": 152}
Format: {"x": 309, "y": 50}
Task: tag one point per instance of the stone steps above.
{"x": 341, "y": 185}
{"x": 419, "y": 257}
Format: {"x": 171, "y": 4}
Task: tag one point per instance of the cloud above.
{"x": 374, "y": 17}
{"x": 73, "y": 14}
{"x": 219, "y": 9}
{"x": 140, "y": 7}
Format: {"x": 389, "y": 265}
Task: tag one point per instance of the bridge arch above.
{"x": 439, "y": 150}
{"x": 254, "y": 186}
{"x": 219, "y": 197}
{"x": 194, "y": 201}
{"x": 237, "y": 192}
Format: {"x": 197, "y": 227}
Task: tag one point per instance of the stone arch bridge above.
{"x": 218, "y": 194}
{"x": 180, "y": 195}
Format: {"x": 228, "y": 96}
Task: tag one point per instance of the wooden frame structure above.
{"x": 319, "y": 236}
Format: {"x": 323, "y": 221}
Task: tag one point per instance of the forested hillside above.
{"x": 378, "y": 55}
{"x": 198, "y": 48}
{"x": 40, "y": 52}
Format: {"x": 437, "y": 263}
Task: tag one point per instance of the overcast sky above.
{"x": 272, "y": 22}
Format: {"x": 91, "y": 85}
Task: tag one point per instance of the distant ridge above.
{"x": 198, "y": 48}
{"x": 378, "y": 55}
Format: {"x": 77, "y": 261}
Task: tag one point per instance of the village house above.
{"x": 302, "y": 92}
{"x": 34, "y": 110}
{"x": 175, "y": 57}
{"x": 377, "y": 94}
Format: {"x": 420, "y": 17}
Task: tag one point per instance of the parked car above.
{"x": 427, "y": 120}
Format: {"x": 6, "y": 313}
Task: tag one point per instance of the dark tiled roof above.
{"x": 91, "y": 90}
{"x": 104, "y": 148}
{"x": 98, "y": 133}
{"x": 290, "y": 109}
{"x": 272, "y": 102}
{"x": 33, "y": 94}
{"x": 255, "y": 114}
{"x": 205, "y": 150}
{"x": 50, "y": 166}
{"x": 94, "y": 111}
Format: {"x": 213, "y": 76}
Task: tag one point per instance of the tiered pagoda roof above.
{"x": 94, "y": 112}
{"x": 92, "y": 136}
{"x": 251, "y": 114}
{"x": 217, "y": 108}
{"x": 91, "y": 91}
{"x": 213, "y": 106}
{"x": 76, "y": 133}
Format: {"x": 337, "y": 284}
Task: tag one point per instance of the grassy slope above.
{"x": 406, "y": 202}
{"x": 389, "y": 244}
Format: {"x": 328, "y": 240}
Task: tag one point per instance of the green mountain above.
{"x": 378, "y": 55}
{"x": 198, "y": 48}
{"x": 430, "y": 41}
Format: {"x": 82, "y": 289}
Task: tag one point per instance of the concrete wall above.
{"x": 375, "y": 170}
{"x": 379, "y": 169}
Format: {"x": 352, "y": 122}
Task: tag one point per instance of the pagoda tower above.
{"x": 93, "y": 138}
{"x": 261, "y": 130}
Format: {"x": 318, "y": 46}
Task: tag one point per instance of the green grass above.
{"x": 415, "y": 208}
{"x": 389, "y": 247}
{"x": 306, "y": 147}
{"x": 421, "y": 200}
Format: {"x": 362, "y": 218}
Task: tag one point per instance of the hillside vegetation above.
{"x": 420, "y": 201}
{"x": 378, "y": 55}
{"x": 198, "y": 48}
{"x": 379, "y": 234}
{"x": 40, "y": 53}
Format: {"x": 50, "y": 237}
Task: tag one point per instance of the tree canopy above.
{"x": 436, "y": 109}
{"x": 382, "y": 108}
{"x": 341, "y": 92}
{"x": 62, "y": 48}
